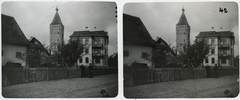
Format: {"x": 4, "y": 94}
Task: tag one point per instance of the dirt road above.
{"x": 195, "y": 88}
{"x": 65, "y": 88}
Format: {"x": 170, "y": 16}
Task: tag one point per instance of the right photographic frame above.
{"x": 181, "y": 50}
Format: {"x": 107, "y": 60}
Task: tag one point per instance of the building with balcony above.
{"x": 221, "y": 47}
{"x": 95, "y": 47}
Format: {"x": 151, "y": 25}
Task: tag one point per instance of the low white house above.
{"x": 137, "y": 42}
{"x": 14, "y": 42}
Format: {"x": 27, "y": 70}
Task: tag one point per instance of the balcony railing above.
{"x": 223, "y": 45}
{"x": 96, "y": 54}
{"x": 97, "y": 45}
{"x": 223, "y": 55}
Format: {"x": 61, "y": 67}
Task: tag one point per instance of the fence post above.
{"x": 47, "y": 74}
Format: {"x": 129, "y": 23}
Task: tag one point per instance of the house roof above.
{"x": 215, "y": 34}
{"x": 56, "y": 19}
{"x": 12, "y": 33}
{"x": 183, "y": 19}
{"x": 134, "y": 32}
{"x": 160, "y": 43}
{"x": 37, "y": 44}
{"x": 88, "y": 33}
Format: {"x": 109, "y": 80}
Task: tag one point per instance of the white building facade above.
{"x": 221, "y": 48}
{"x": 137, "y": 43}
{"x": 14, "y": 43}
{"x": 95, "y": 47}
{"x": 135, "y": 53}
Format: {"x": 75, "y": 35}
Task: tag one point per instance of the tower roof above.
{"x": 56, "y": 19}
{"x": 183, "y": 19}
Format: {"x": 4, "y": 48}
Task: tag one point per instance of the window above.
{"x": 213, "y": 51}
{"x": 86, "y": 41}
{"x": 206, "y": 41}
{"x": 87, "y": 60}
{"x": 125, "y": 53}
{"x": 81, "y": 40}
{"x": 80, "y": 60}
{"x": 97, "y": 60}
{"x": 213, "y": 60}
{"x": 18, "y": 54}
{"x": 86, "y": 51}
{"x": 206, "y": 60}
{"x": 224, "y": 51}
{"x": 144, "y": 55}
{"x": 224, "y": 60}
{"x": 97, "y": 51}
{"x": 97, "y": 40}
{"x": 212, "y": 41}
{"x": 58, "y": 40}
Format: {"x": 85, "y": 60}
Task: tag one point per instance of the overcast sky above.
{"x": 160, "y": 19}
{"x": 34, "y": 18}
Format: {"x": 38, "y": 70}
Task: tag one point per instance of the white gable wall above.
{"x": 9, "y": 54}
{"x": 135, "y": 54}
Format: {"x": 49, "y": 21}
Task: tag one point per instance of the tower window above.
{"x": 213, "y": 60}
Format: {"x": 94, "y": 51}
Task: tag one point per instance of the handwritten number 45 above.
{"x": 223, "y": 10}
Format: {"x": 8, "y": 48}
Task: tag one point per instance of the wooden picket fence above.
{"x": 11, "y": 76}
{"x": 138, "y": 76}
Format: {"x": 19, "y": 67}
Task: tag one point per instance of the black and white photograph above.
{"x": 180, "y": 50}
{"x": 59, "y": 49}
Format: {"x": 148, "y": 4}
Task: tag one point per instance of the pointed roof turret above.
{"x": 183, "y": 19}
{"x": 56, "y": 19}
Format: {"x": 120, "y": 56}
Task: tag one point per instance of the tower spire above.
{"x": 57, "y": 8}
{"x": 183, "y": 9}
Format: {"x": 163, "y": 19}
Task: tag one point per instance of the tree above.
{"x": 69, "y": 53}
{"x": 33, "y": 56}
{"x": 113, "y": 60}
{"x": 159, "y": 57}
{"x": 161, "y": 53}
{"x": 236, "y": 61}
{"x": 193, "y": 55}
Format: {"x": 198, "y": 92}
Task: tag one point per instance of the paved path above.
{"x": 196, "y": 88}
{"x": 65, "y": 88}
